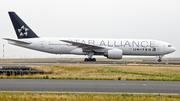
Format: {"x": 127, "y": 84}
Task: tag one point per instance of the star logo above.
{"x": 23, "y": 31}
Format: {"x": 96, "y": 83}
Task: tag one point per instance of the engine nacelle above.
{"x": 114, "y": 54}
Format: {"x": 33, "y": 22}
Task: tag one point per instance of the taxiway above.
{"x": 58, "y": 85}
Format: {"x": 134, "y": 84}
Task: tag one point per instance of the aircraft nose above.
{"x": 173, "y": 49}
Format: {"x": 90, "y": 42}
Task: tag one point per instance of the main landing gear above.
{"x": 90, "y": 57}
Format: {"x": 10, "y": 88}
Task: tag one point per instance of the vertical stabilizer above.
{"x": 22, "y": 30}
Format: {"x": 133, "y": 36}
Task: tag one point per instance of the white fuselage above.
{"x": 142, "y": 47}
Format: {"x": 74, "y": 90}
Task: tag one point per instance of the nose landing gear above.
{"x": 159, "y": 58}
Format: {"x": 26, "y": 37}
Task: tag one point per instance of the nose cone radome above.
{"x": 172, "y": 49}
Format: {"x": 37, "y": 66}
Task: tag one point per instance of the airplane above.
{"x": 110, "y": 48}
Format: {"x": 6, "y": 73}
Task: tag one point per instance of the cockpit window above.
{"x": 169, "y": 45}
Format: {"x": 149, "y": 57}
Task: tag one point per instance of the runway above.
{"x": 175, "y": 63}
{"x": 77, "y": 63}
{"x": 113, "y": 86}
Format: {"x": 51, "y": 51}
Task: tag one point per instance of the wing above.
{"x": 19, "y": 41}
{"x": 85, "y": 47}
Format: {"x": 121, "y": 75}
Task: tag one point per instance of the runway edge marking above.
{"x": 112, "y": 93}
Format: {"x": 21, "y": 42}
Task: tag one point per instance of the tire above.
{"x": 159, "y": 60}
{"x": 90, "y": 59}
{"x": 85, "y": 59}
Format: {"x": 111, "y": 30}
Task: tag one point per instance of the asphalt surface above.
{"x": 77, "y": 63}
{"x": 41, "y": 63}
{"x": 59, "y": 85}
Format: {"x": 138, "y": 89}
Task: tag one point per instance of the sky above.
{"x": 129, "y": 19}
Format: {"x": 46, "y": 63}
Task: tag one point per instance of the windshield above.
{"x": 169, "y": 45}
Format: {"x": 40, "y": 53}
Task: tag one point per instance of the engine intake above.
{"x": 114, "y": 54}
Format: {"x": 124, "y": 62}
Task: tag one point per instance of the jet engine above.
{"x": 113, "y": 54}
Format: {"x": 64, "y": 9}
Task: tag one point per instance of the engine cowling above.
{"x": 114, "y": 54}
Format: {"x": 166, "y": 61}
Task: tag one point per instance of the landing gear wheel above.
{"x": 159, "y": 60}
{"x": 94, "y": 59}
{"x": 86, "y": 59}
{"x": 89, "y": 59}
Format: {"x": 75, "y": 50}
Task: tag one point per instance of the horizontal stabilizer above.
{"x": 19, "y": 41}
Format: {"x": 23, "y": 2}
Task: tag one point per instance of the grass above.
{"x": 92, "y": 72}
{"x": 83, "y": 97}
